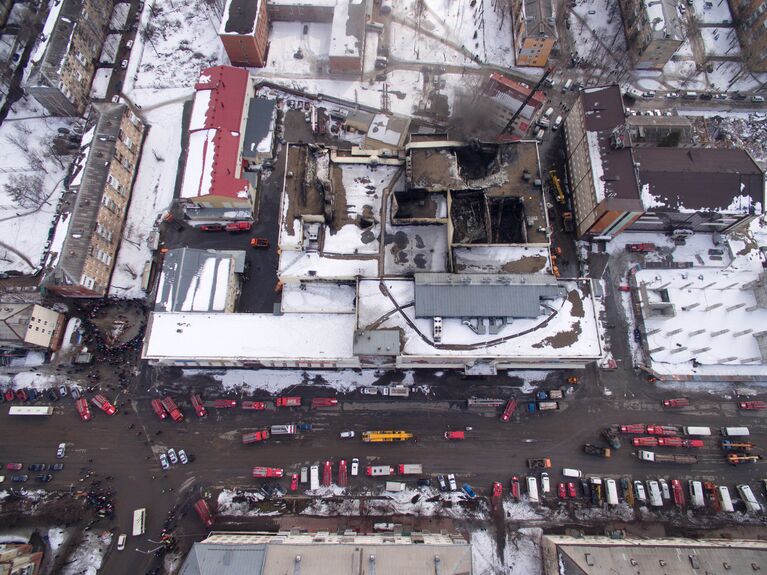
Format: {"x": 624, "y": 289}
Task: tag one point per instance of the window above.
{"x": 81, "y": 58}
{"x": 87, "y": 281}
{"x": 128, "y": 142}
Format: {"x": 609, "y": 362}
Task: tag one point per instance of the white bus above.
{"x": 314, "y": 477}
{"x": 696, "y": 494}
{"x": 30, "y": 410}
{"x": 735, "y": 431}
{"x": 532, "y": 489}
{"x": 752, "y": 505}
{"x": 611, "y": 492}
{"x": 703, "y": 431}
{"x": 139, "y": 521}
{"x": 725, "y": 499}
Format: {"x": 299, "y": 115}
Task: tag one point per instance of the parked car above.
{"x": 21, "y": 395}
{"x": 182, "y": 457}
{"x": 37, "y": 467}
{"x": 466, "y": 488}
{"x": 347, "y": 434}
{"x": 14, "y": 466}
{"x": 545, "y": 483}
{"x": 121, "y": 541}
{"x": 75, "y": 392}
{"x": 164, "y": 461}
{"x": 52, "y": 395}
{"x": 451, "y": 482}
{"x": 57, "y": 467}
{"x": 19, "y": 478}
{"x": 44, "y": 478}
{"x": 442, "y": 482}
{"x": 355, "y": 466}
{"x": 63, "y": 390}
{"x": 639, "y": 491}
{"x": 172, "y": 456}
{"x": 424, "y": 482}
{"x": 61, "y": 451}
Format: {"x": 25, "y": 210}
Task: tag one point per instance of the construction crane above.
{"x": 557, "y": 186}
{"x": 510, "y": 124}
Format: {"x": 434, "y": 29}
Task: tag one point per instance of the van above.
{"x": 696, "y": 431}
{"x": 437, "y": 329}
{"x": 653, "y": 491}
{"x": 557, "y": 123}
{"x": 568, "y": 472}
{"x": 735, "y": 431}
{"x": 611, "y": 492}
{"x": 304, "y": 474}
{"x": 549, "y": 111}
{"x": 532, "y": 489}
{"x": 539, "y": 135}
{"x": 690, "y": 95}
{"x": 696, "y": 493}
{"x": 725, "y": 499}
{"x": 752, "y": 505}
{"x": 567, "y": 86}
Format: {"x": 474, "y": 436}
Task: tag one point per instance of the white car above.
{"x": 164, "y": 461}
{"x": 347, "y": 434}
{"x": 172, "y": 456}
{"x": 61, "y": 451}
{"x": 451, "y": 482}
{"x": 182, "y": 457}
{"x": 121, "y": 541}
{"x": 63, "y": 391}
{"x": 545, "y": 485}
{"x": 124, "y": 64}
{"x": 355, "y": 466}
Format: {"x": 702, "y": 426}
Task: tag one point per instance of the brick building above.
{"x": 64, "y": 62}
{"x": 102, "y": 177}
{"x": 618, "y": 185}
{"x": 213, "y": 174}
{"x": 534, "y": 31}
{"x": 244, "y": 32}
{"x": 750, "y": 17}
{"x": 505, "y": 96}
{"x": 19, "y": 559}
{"x": 653, "y": 31}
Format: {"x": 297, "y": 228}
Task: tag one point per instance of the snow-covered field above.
{"x": 276, "y": 380}
{"x": 31, "y": 177}
{"x": 89, "y": 555}
{"x": 152, "y": 195}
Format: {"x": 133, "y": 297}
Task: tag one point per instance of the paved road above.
{"x": 493, "y": 450}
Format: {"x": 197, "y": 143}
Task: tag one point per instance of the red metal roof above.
{"x": 518, "y": 89}
{"x": 228, "y": 87}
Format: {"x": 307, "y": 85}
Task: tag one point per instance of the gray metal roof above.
{"x": 376, "y": 342}
{"x": 482, "y": 295}
{"x": 191, "y": 279}
{"x": 260, "y": 114}
{"x": 218, "y": 559}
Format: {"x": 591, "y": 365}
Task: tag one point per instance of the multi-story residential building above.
{"x": 19, "y": 559}
{"x": 618, "y": 184}
{"x": 653, "y": 31}
{"x": 750, "y": 18}
{"x": 102, "y": 177}
{"x": 64, "y": 62}
{"x": 534, "y": 31}
{"x": 244, "y": 32}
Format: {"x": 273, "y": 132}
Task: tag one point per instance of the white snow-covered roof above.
{"x": 597, "y": 169}
{"x": 343, "y": 44}
{"x": 247, "y": 336}
{"x": 198, "y": 174}
{"x": 199, "y": 109}
{"x": 45, "y": 35}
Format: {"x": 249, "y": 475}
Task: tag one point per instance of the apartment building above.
{"x": 750, "y": 17}
{"x": 244, "y": 32}
{"x": 653, "y": 31}
{"x": 534, "y": 31}
{"x": 102, "y": 177}
{"x": 64, "y": 62}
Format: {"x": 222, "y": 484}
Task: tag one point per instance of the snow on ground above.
{"x": 182, "y": 39}
{"x": 56, "y": 538}
{"x": 101, "y": 83}
{"x": 119, "y": 16}
{"x": 717, "y": 13}
{"x": 152, "y": 195}
{"x": 89, "y": 555}
{"x": 109, "y": 51}
{"x": 740, "y": 130}
{"x": 246, "y": 504}
{"x": 597, "y": 32}
{"x": 720, "y": 41}
{"x": 30, "y": 184}
{"x": 277, "y": 381}
{"x": 28, "y": 379}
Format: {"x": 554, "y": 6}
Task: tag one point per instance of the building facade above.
{"x": 653, "y": 31}
{"x": 103, "y": 177}
{"x": 25, "y": 324}
{"x": 750, "y": 18}
{"x": 64, "y": 62}
{"x": 244, "y": 32}
{"x": 534, "y": 31}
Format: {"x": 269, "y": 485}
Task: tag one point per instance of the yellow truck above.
{"x": 385, "y": 436}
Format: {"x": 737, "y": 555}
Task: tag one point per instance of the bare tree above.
{"x": 19, "y": 140}
{"x": 26, "y": 190}
{"x": 130, "y": 271}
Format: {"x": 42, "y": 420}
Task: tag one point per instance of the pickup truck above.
{"x": 596, "y": 450}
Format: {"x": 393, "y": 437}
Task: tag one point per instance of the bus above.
{"x": 139, "y": 521}
{"x": 30, "y": 410}
{"x": 385, "y": 436}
